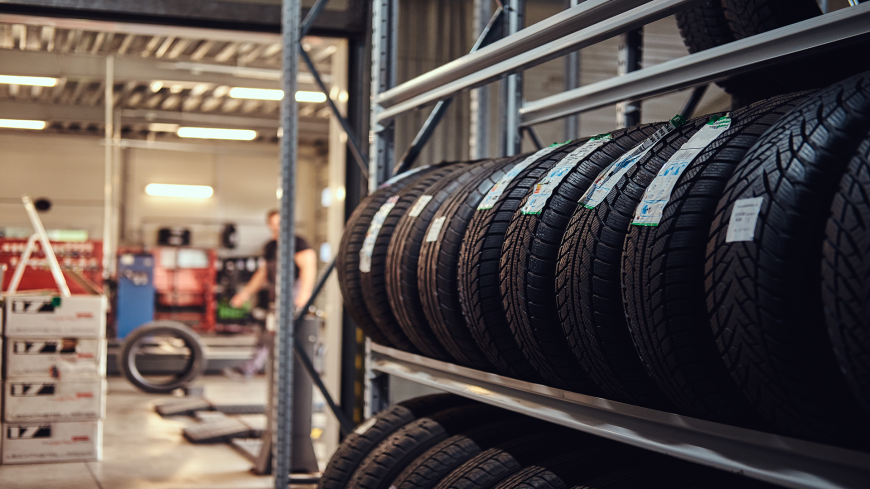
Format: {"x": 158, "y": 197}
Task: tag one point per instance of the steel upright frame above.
{"x": 780, "y": 460}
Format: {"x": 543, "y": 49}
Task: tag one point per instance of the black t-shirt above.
{"x": 270, "y": 254}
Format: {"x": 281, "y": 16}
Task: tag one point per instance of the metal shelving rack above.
{"x": 780, "y": 460}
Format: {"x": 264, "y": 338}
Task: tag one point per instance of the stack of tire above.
{"x": 717, "y": 268}
{"x": 448, "y": 442}
{"x": 717, "y": 22}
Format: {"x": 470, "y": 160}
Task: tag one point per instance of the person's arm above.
{"x": 255, "y": 284}
{"x": 306, "y": 262}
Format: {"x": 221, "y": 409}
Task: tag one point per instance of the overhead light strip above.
{"x": 270, "y": 94}
{"x": 22, "y": 124}
{"x": 183, "y": 191}
{"x": 37, "y": 81}
{"x": 215, "y": 133}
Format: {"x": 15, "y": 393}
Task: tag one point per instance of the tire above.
{"x": 846, "y": 274}
{"x": 703, "y": 27}
{"x": 588, "y": 291}
{"x": 347, "y": 259}
{"x": 479, "y": 293}
{"x": 373, "y": 283}
{"x": 193, "y": 369}
{"x": 763, "y": 296}
{"x": 381, "y": 467}
{"x": 492, "y": 466}
{"x": 371, "y": 433}
{"x": 663, "y": 277}
{"x": 402, "y": 261}
{"x": 437, "y": 268}
{"x": 527, "y": 267}
{"x": 439, "y": 461}
{"x": 751, "y": 17}
{"x": 747, "y": 18}
{"x": 566, "y": 469}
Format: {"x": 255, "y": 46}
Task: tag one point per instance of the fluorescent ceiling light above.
{"x": 213, "y": 133}
{"x": 163, "y": 127}
{"x": 256, "y": 93}
{"x": 188, "y": 191}
{"x": 22, "y": 124}
{"x": 313, "y": 97}
{"x": 39, "y": 81}
{"x": 270, "y": 94}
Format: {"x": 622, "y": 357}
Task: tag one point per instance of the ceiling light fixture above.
{"x": 163, "y": 127}
{"x": 22, "y": 124}
{"x": 214, "y": 133}
{"x": 271, "y": 94}
{"x": 39, "y": 81}
{"x": 186, "y": 191}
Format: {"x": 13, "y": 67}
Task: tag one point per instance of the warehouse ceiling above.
{"x": 163, "y": 76}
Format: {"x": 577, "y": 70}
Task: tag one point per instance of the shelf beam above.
{"x": 589, "y": 23}
{"x": 819, "y": 33}
{"x": 776, "y": 459}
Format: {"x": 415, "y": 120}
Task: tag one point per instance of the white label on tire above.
{"x": 435, "y": 229}
{"x": 402, "y": 175}
{"x": 365, "y": 253}
{"x": 419, "y": 205}
{"x": 605, "y": 181}
{"x": 658, "y": 194}
{"x": 744, "y": 215}
{"x": 495, "y": 192}
{"x": 543, "y": 190}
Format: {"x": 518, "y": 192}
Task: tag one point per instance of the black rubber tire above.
{"x": 383, "y": 464}
{"x": 588, "y": 289}
{"x": 763, "y": 296}
{"x": 439, "y": 461}
{"x": 704, "y": 26}
{"x": 479, "y": 291}
{"x": 663, "y": 277}
{"x": 402, "y": 264}
{"x": 492, "y": 466}
{"x": 566, "y": 469}
{"x": 195, "y": 366}
{"x": 750, "y": 17}
{"x": 846, "y": 274}
{"x": 374, "y": 283}
{"x": 437, "y": 268}
{"x": 347, "y": 259}
{"x": 527, "y": 270}
{"x": 356, "y": 446}
{"x": 747, "y": 18}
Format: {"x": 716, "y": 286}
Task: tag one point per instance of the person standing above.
{"x": 266, "y": 276}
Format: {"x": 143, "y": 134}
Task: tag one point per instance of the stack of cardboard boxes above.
{"x": 54, "y": 385}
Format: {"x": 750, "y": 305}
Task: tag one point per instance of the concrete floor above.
{"x": 142, "y": 450}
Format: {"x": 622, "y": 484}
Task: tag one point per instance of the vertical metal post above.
{"x": 572, "y": 81}
{"x": 108, "y": 180}
{"x": 479, "y": 138}
{"x": 384, "y": 26}
{"x": 511, "y": 87}
{"x": 630, "y": 59}
{"x": 282, "y": 438}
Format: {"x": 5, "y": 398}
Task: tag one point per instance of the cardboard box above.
{"x": 51, "y": 316}
{"x": 40, "y": 443}
{"x": 26, "y": 400}
{"x": 55, "y": 358}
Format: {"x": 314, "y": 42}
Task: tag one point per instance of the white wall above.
{"x": 69, "y": 171}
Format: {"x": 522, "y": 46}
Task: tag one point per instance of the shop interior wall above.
{"x": 68, "y": 170}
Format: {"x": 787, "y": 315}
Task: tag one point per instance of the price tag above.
{"x": 495, "y": 192}
{"x": 744, "y": 215}
{"x": 365, "y": 253}
{"x": 650, "y": 210}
